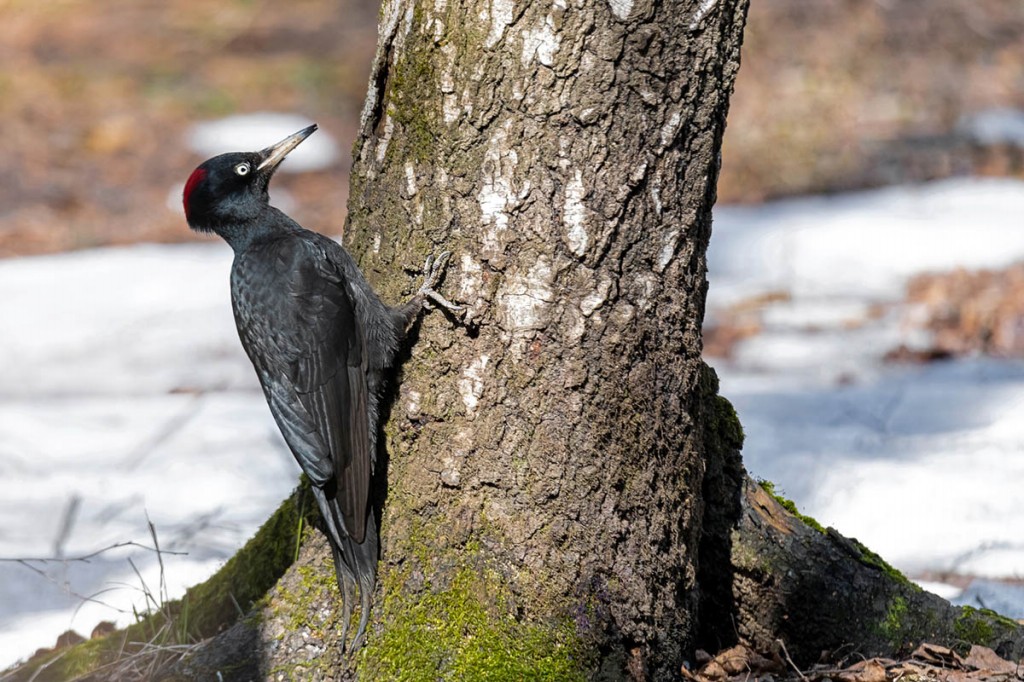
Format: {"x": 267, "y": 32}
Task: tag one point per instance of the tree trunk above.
{"x": 546, "y": 460}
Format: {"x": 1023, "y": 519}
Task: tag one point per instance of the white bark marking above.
{"x": 702, "y": 11}
{"x": 449, "y": 100}
{"x": 643, "y": 288}
{"x": 575, "y": 325}
{"x": 472, "y": 280}
{"x": 410, "y": 178}
{"x": 668, "y": 250}
{"x": 412, "y": 403}
{"x": 541, "y": 42}
{"x": 439, "y": 8}
{"x": 450, "y": 108}
{"x": 671, "y": 127}
{"x": 621, "y": 8}
{"x": 376, "y": 242}
{"x": 655, "y": 189}
{"x": 382, "y": 143}
{"x": 501, "y": 16}
{"x": 447, "y": 74}
{"x": 467, "y": 102}
{"x": 450, "y": 475}
{"x": 595, "y": 298}
{"x": 407, "y": 21}
{"x": 471, "y": 384}
{"x": 574, "y": 216}
{"x": 526, "y": 299}
{"x": 496, "y": 196}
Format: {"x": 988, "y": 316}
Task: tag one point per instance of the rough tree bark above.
{"x": 545, "y": 463}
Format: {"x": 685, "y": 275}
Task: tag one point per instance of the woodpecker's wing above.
{"x": 308, "y": 350}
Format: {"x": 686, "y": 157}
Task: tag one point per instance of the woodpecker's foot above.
{"x": 434, "y": 269}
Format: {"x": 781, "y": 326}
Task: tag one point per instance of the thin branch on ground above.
{"x": 782, "y": 645}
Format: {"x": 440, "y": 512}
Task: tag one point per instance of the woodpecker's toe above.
{"x": 434, "y": 270}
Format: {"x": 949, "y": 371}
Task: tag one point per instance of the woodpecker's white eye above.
{"x": 242, "y": 169}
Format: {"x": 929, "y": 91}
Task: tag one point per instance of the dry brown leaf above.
{"x": 937, "y": 655}
{"x": 735, "y": 660}
{"x": 983, "y": 658}
{"x": 713, "y": 671}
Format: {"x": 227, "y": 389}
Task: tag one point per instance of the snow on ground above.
{"x": 991, "y": 127}
{"x": 924, "y": 464}
{"x": 124, "y": 394}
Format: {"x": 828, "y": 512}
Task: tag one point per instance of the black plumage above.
{"x": 320, "y": 341}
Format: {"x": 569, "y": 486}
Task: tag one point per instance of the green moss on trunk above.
{"x": 467, "y": 631}
{"x": 790, "y": 506}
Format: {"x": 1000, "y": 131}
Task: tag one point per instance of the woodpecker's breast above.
{"x": 274, "y": 295}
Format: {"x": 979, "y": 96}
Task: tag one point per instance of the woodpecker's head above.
{"x": 229, "y": 191}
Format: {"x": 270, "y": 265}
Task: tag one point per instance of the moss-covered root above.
{"x": 819, "y": 591}
{"x": 986, "y": 627}
{"x": 466, "y": 629}
{"x": 203, "y": 611}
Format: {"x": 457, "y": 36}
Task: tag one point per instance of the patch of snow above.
{"x": 921, "y": 463}
{"x": 995, "y": 127}
{"x": 868, "y": 242}
{"x": 1006, "y": 598}
{"x": 944, "y": 590}
{"x": 124, "y": 387}
{"x": 256, "y": 131}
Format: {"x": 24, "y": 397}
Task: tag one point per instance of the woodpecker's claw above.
{"x": 434, "y": 269}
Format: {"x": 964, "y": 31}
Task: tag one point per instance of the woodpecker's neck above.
{"x": 241, "y": 235}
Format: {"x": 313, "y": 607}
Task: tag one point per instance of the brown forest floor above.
{"x": 95, "y": 99}
{"x": 926, "y": 662}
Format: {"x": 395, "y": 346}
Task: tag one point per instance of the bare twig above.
{"x": 160, "y": 560}
{"x": 789, "y": 660}
{"x": 134, "y": 660}
{"x": 91, "y": 555}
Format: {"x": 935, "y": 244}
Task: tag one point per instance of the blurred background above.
{"x": 866, "y": 309}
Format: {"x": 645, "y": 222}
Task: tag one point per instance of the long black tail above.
{"x": 360, "y": 561}
{"x": 355, "y": 564}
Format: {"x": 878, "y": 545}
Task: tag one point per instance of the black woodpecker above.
{"x": 321, "y": 342}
